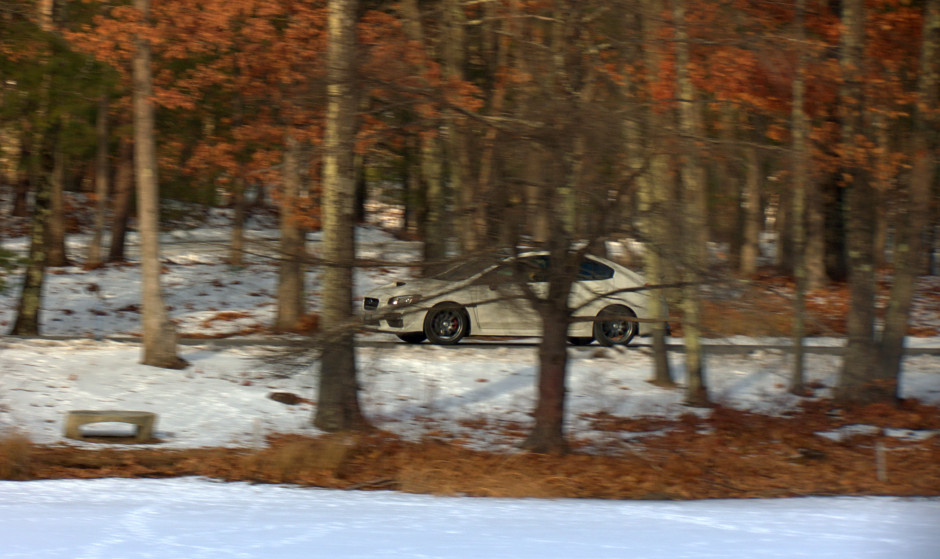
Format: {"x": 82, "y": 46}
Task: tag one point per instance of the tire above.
{"x": 446, "y": 324}
{"x": 580, "y": 340}
{"x": 611, "y": 329}
{"x": 412, "y": 337}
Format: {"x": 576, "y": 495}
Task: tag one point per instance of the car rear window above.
{"x": 592, "y": 270}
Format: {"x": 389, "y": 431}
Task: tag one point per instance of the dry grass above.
{"x": 15, "y": 456}
{"x": 731, "y": 454}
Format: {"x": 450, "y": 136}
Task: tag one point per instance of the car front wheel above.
{"x": 446, "y": 324}
{"x": 615, "y": 325}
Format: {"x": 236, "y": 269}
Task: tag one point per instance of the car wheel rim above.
{"x": 615, "y": 331}
{"x": 446, "y": 324}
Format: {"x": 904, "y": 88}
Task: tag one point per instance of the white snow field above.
{"x": 194, "y": 518}
{"x": 222, "y": 400}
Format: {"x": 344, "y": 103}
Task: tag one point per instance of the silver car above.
{"x": 486, "y": 297}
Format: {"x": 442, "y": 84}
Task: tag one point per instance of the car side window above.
{"x": 591, "y": 270}
{"x": 535, "y": 268}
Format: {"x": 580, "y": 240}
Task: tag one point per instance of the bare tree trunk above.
{"x": 882, "y": 181}
{"x": 46, "y": 11}
{"x": 655, "y": 195}
{"x": 123, "y": 198}
{"x": 20, "y": 196}
{"x": 10, "y": 153}
{"x": 815, "y": 253}
{"x": 754, "y": 213}
{"x": 30, "y": 302}
{"x": 55, "y": 233}
{"x": 290, "y": 279}
{"x": 694, "y": 210}
{"x": 93, "y": 258}
{"x": 485, "y": 180}
{"x": 338, "y": 400}
{"x": 727, "y": 173}
{"x": 436, "y": 232}
{"x": 159, "y": 333}
{"x": 547, "y": 435}
{"x": 800, "y": 163}
{"x": 431, "y": 164}
{"x": 471, "y": 211}
{"x": 856, "y": 381}
{"x": 236, "y": 253}
{"x": 413, "y": 195}
{"x": 784, "y": 229}
{"x": 911, "y": 233}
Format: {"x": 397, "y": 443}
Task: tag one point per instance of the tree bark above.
{"x": 338, "y": 399}
{"x": 654, "y": 195}
{"x": 471, "y": 209}
{"x": 815, "y": 250}
{"x": 55, "y": 233}
{"x": 432, "y": 213}
{"x": 912, "y": 230}
{"x": 236, "y": 253}
{"x": 93, "y": 258}
{"x": 291, "y": 302}
{"x": 487, "y": 165}
{"x": 30, "y": 302}
{"x": 123, "y": 200}
{"x": 857, "y": 380}
{"x": 159, "y": 333}
{"x": 27, "y": 321}
{"x": 800, "y": 164}
{"x": 694, "y": 211}
{"x": 753, "y": 213}
{"x": 547, "y": 435}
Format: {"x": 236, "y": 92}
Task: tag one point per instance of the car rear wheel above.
{"x": 446, "y": 324}
{"x": 412, "y": 337}
{"x": 615, "y": 325}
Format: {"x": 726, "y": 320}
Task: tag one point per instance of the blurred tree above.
{"x": 872, "y": 365}
{"x": 694, "y": 212}
{"x": 656, "y": 193}
{"x": 337, "y": 399}
{"x": 800, "y": 166}
{"x": 102, "y": 183}
{"x": 159, "y": 332}
{"x": 49, "y": 86}
{"x": 123, "y": 199}
{"x": 291, "y": 302}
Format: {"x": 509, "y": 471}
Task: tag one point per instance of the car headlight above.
{"x": 403, "y": 300}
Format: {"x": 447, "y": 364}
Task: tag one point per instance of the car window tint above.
{"x": 535, "y": 268}
{"x": 591, "y": 270}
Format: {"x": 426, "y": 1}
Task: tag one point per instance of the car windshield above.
{"x": 466, "y": 269}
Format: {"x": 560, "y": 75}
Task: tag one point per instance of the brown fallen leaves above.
{"x": 731, "y": 454}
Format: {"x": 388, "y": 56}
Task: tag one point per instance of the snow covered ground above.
{"x": 222, "y": 399}
{"x": 194, "y": 518}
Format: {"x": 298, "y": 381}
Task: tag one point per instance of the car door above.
{"x": 594, "y": 281}
{"x": 501, "y": 306}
